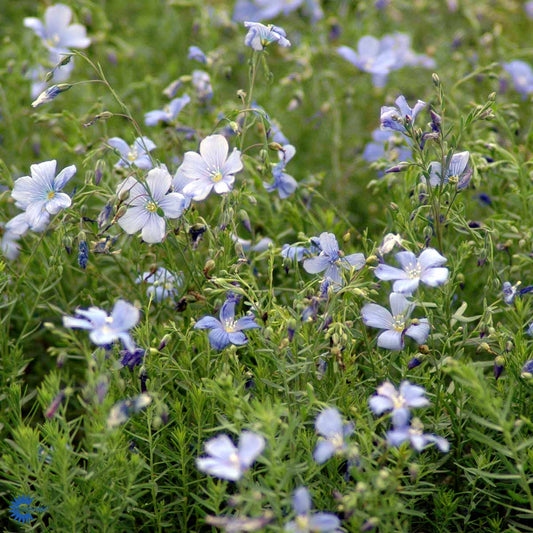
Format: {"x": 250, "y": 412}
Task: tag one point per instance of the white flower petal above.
{"x": 376, "y": 316}
{"x": 134, "y": 219}
{"x": 214, "y": 150}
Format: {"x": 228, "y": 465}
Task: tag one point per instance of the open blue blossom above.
{"x": 416, "y": 437}
{"x": 395, "y": 118}
{"x": 225, "y": 460}
{"x": 283, "y": 183}
{"x": 331, "y": 260}
{"x": 260, "y": 36}
{"x": 122, "y": 411}
{"x": 263, "y": 9}
{"x": 162, "y": 284}
{"x": 196, "y": 54}
{"x": 169, "y": 113}
{"x": 306, "y": 521}
{"x": 399, "y": 402}
{"x": 380, "y": 57}
{"x": 105, "y": 329}
{"x": 427, "y": 268}
{"x": 396, "y": 324}
{"x": 57, "y": 33}
{"x": 458, "y": 171}
{"x": 136, "y": 155}
{"x": 329, "y": 424}
{"x": 40, "y": 195}
{"x": 149, "y": 203}
{"x": 211, "y": 168}
{"x": 522, "y": 76}
{"x": 227, "y": 330}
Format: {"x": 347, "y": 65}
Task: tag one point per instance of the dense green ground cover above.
{"x": 95, "y": 463}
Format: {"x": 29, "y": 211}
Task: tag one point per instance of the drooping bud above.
{"x": 49, "y": 94}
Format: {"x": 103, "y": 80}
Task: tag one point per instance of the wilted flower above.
{"x": 57, "y": 33}
{"x": 225, "y": 460}
{"x": 509, "y": 292}
{"x": 389, "y": 242}
{"x": 397, "y": 324}
{"x": 227, "y": 331}
{"x": 122, "y": 411}
{"x": 169, "y": 113}
{"x": 40, "y": 196}
{"x": 399, "y": 402}
{"x": 136, "y": 155}
{"x": 211, "y": 168}
{"x": 132, "y": 358}
{"x": 329, "y": 424}
{"x": 427, "y": 268}
{"x": 331, "y": 259}
{"x": 149, "y": 203}
{"x": 105, "y": 329}
{"x": 202, "y": 85}
{"x": 260, "y": 36}
{"x": 395, "y": 118}
{"x": 457, "y": 172}
{"x": 416, "y": 437}
{"x": 284, "y": 183}
{"x": 306, "y": 521}
{"x": 527, "y": 369}
{"x": 522, "y": 76}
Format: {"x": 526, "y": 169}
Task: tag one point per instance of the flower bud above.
{"x": 49, "y": 94}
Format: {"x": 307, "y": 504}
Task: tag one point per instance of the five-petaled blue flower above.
{"x": 395, "y": 118}
{"x": 457, "y": 172}
{"x": 169, "y": 113}
{"x": 522, "y": 76}
{"x": 260, "y": 36}
{"x": 416, "y": 437}
{"x": 40, "y": 195}
{"x": 135, "y": 155}
{"x": 396, "y": 324}
{"x": 398, "y": 401}
{"x": 427, "y": 268}
{"x": 227, "y": 330}
{"x": 332, "y": 260}
{"x": 105, "y": 329}
{"x": 225, "y": 460}
{"x": 284, "y": 183}
{"x": 329, "y": 424}
{"x": 306, "y": 521}
{"x": 162, "y": 284}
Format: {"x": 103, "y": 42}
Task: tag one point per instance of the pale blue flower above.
{"x": 122, "y": 411}
{"x": 57, "y": 33}
{"x": 224, "y": 460}
{"x": 196, "y": 54}
{"x": 149, "y": 204}
{"x": 248, "y": 246}
{"x": 211, "y": 168}
{"x": 427, "y": 268}
{"x": 395, "y": 118}
{"x": 416, "y": 437}
{"x": 509, "y": 292}
{"x": 522, "y": 76}
{"x": 169, "y": 113}
{"x": 260, "y": 36}
{"x": 458, "y": 171}
{"x": 104, "y": 329}
{"x": 14, "y": 229}
{"x": 399, "y": 401}
{"x": 397, "y": 324}
{"x": 162, "y": 284}
{"x": 387, "y": 145}
{"x": 39, "y": 195}
{"x": 263, "y": 9}
{"x": 136, "y": 155}
{"x": 227, "y": 330}
{"x": 329, "y": 424}
{"x": 528, "y": 8}
{"x": 331, "y": 259}
{"x": 306, "y": 521}
{"x": 283, "y": 183}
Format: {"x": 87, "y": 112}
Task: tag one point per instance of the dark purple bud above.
{"x": 499, "y": 363}
{"x": 474, "y": 224}
{"x": 413, "y": 363}
{"x": 54, "y": 406}
{"x": 132, "y": 359}
{"x": 525, "y": 290}
{"x": 436, "y": 121}
{"x": 143, "y": 377}
{"x": 396, "y": 168}
{"x": 83, "y": 254}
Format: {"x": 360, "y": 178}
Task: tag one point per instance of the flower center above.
{"x": 216, "y": 176}
{"x": 398, "y": 323}
{"x": 337, "y": 441}
{"x": 151, "y": 206}
{"x": 229, "y": 326}
{"x": 53, "y": 40}
{"x": 50, "y": 195}
{"x": 399, "y": 401}
{"x": 234, "y": 459}
{"x": 302, "y": 521}
{"x": 133, "y": 155}
{"x": 413, "y": 271}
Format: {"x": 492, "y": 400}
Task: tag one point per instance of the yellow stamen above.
{"x": 217, "y": 176}
{"x": 151, "y": 206}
